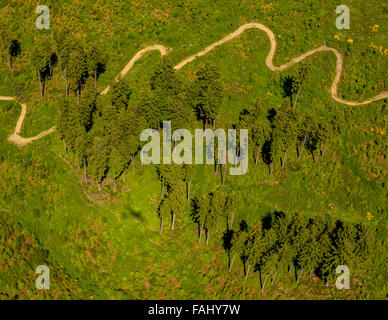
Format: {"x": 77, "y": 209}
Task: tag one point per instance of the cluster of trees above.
{"x": 170, "y": 97}
{"x": 9, "y": 45}
{"x": 76, "y": 61}
{"x": 274, "y": 132}
{"x": 104, "y": 133}
{"x": 279, "y": 242}
{"x": 104, "y": 138}
{"x": 176, "y": 181}
{"x": 210, "y": 209}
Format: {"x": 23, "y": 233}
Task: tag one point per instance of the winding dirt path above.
{"x": 21, "y": 142}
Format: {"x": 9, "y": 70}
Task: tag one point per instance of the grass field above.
{"x": 106, "y": 245}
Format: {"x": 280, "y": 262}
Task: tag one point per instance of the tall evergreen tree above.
{"x": 40, "y": 59}
{"x": 6, "y": 42}
{"x": 77, "y": 69}
{"x": 96, "y": 61}
{"x": 207, "y": 93}
{"x": 98, "y": 160}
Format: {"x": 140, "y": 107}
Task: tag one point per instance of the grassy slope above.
{"x": 114, "y": 250}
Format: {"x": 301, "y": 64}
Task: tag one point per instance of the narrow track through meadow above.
{"x": 21, "y": 142}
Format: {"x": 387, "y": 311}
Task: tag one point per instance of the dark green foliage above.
{"x": 98, "y": 160}
{"x": 207, "y": 93}
{"x": 317, "y": 246}
{"x": 120, "y": 94}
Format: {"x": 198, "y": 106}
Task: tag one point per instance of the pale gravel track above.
{"x": 21, "y": 142}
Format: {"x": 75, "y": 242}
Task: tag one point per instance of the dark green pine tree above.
{"x": 82, "y": 146}
{"x": 166, "y": 88}
{"x": 96, "y": 61}
{"x": 161, "y": 171}
{"x": 201, "y": 211}
{"x": 131, "y": 125}
{"x": 6, "y": 42}
{"x": 120, "y": 94}
{"x": 117, "y": 163}
{"x": 285, "y": 131}
{"x": 98, "y": 160}
{"x": 232, "y": 203}
{"x": 207, "y": 93}
{"x": 259, "y": 127}
{"x": 40, "y": 60}
{"x": 77, "y": 69}
{"x": 237, "y": 248}
{"x": 177, "y": 198}
{"x": 164, "y": 211}
{"x": 325, "y": 132}
{"x": 64, "y": 45}
{"x": 150, "y": 107}
{"x": 305, "y": 128}
{"x": 87, "y": 104}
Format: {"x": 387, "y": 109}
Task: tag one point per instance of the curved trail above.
{"x": 21, "y": 142}
{"x": 15, "y": 137}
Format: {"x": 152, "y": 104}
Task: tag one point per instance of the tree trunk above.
{"x": 161, "y": 226}
{"x": 273, "y": 279}
{"x": 265, "y": 280}
{"x": 315, "y": 158}
{"x": 8, "y": 59}
{"x": 162, "y": 189}
{"x": 50, "y": 68}
{"x": 284, "y": 158}
{"x": 85, "y": 177}
{"x": 231, "y": 264}
{"x": 207, "y": 236}
{"x": 200, "y": 233}
{"x": 124, "y": 175}
{"x": 257, "y": 156}
{"x": 292, "y": 264}
{"x": 224, "y": 175}
{"x": 114, "y": 184}
{"x": 231, "y": 221}
{"x": 296, "y": 98}
{"x": 188, "y": 191}
{"x": 216, "y": 169}
{"x": 99, "y": 184}
{"x": 133, "y": 163}
{"x": 300, "y": 273}
{"x": 303, "y": 143}
{"x": 64, "y": 145}
{"x": 214, "y": 123}
{"x": 270, "y": 168}
{"x": 40, "y": 83}
{"x": 323, "y": 152}
{"x": 172, "y": 221}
